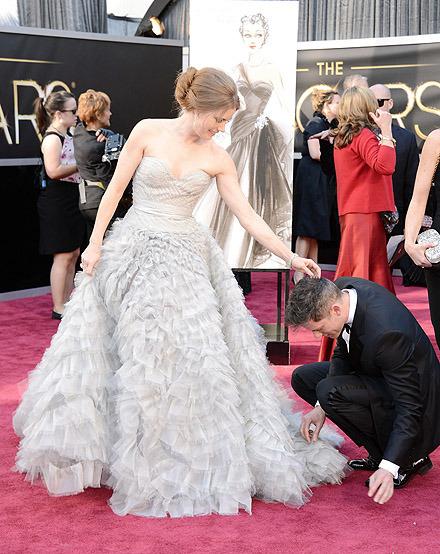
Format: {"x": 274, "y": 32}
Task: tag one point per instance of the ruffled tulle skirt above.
{"x": 157, "y": 385}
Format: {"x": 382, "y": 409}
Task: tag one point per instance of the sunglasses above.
{"x": 381, "y": 101}
{"x": 73, "y": 111}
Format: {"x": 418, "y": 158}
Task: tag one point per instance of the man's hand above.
{"x": 315, "y": 416}
{"x": 381, "y": 486}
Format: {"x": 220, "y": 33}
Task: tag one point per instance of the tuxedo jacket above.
{"x": 397, "y": 363}
{"x": 404, "y": 176}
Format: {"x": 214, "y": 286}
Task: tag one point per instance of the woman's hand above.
{"x": 100, "y": 136}
{"x": 323, "y": 135}
{"x": 383, "y": 120}
{"x": 417, "y": 253}
{"x": 306, "y": 266}
{"x": 90, "y": 258}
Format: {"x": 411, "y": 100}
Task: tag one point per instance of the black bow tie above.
{"x": 347, "y": 328}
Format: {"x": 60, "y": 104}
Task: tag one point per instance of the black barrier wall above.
{"x": 410, "y": 70}
{"x": 138, "y": 75}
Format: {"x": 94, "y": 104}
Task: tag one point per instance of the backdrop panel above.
{"x": 138, "y": 74}
{"x": 255, "y": 42}
{"x": 407, "y": 65}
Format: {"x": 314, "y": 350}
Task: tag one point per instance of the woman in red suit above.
{"x": 364, "y": 163}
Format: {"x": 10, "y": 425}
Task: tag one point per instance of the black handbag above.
{"x": 389, "y": 220}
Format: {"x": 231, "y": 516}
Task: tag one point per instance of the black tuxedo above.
{"x": 404, "y": 176}
{"x": 385, "y": 391}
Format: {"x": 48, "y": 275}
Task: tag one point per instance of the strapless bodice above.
{"x": 162, "y": 201}
{"x": 155, "y": 188}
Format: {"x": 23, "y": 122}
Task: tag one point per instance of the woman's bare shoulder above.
{"x": 434, "y": 137}
{"x": 146, "y": 125}
{"x": 52, "y": 141}
{"x": 221, "y": 161}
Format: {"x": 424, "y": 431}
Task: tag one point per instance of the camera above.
{"x": 113, "y": 147}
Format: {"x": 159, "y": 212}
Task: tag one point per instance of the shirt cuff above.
{"x": 317, "y": 404}
{"x": 389, "y": 466}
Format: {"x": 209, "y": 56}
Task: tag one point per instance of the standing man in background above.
{"x": 407, "y": 158}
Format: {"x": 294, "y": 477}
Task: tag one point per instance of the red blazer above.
{"x": 363, "y": 175}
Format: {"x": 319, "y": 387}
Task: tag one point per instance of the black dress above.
{"x": 432, "y": 275}
{"x": 312, "y": 193}
{"x": 62, "y": 227}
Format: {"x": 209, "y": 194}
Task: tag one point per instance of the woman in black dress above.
{"x": 428, "y": 175}
{"x": 61, "y": 225}
{"x": 313, "y": 193}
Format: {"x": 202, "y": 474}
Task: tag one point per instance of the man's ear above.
{"x": 391, "y": 103}
{"x": 336, "y": 309}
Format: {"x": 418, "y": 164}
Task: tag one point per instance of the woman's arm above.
{"x": 129, "y": 159}
{"x": 417, "y": 206}
{"x": 314, "y": 149}
{"x": 51, "y": 148}
{"x": 229, "y": 189}
{"x": 380, "y": 157}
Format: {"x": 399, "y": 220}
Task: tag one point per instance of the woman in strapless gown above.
{"x": 156, "y": 383}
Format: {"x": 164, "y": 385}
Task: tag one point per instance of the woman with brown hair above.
{"x": 169, "y": 399}
{"x": 61, "y": 225}
{"x": 364, "y": 163}
{"x": 315, "y": 194}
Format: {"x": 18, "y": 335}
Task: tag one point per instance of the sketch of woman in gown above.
{"x": 262, "y": 151}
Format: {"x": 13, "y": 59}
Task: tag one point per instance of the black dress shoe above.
{"x": 364, "y": 464}
{"x": 56, "y": 315}
{"x": 418, "y": 468}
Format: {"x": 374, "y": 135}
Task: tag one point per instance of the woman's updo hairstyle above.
{"x": 256, "y": 19}
{"x": 322, "y": 97}
{"x": 206, "y": 90}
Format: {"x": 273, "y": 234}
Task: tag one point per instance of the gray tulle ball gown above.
{"x": 156, "y": 383}
{"x": 261, "y": 155}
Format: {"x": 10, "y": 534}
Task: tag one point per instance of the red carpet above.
{"x": 339, "y": 519}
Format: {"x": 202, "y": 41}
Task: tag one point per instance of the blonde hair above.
{"x": 354, "y": 114}
{"x": 91, "y": 105}
{"x": 206, "y": 90}
{"x": 353, "y": 81}
{"x": 322, "y": 97}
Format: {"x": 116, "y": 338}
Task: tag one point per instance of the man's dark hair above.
{"x": 311, "y": 300}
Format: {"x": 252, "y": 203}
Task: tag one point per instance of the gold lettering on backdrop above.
{"x": 330, "y": 68}
{"x": 428, "y": 109}
{"x": 301, "y": 100}
{"x": 398, "y": 116}
{"x": 4, "y": 126}
{"x": 31, "y": 117}
{"x": 24, "y": 117}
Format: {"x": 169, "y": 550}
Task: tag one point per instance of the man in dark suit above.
{"x": 407, "y": 158}
{"x": 382, "y": 385}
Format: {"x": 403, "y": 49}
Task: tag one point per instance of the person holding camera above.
{"x": 96, "y": 164}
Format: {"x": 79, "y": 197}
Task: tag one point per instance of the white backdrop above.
{"x": 215, "y": 41}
